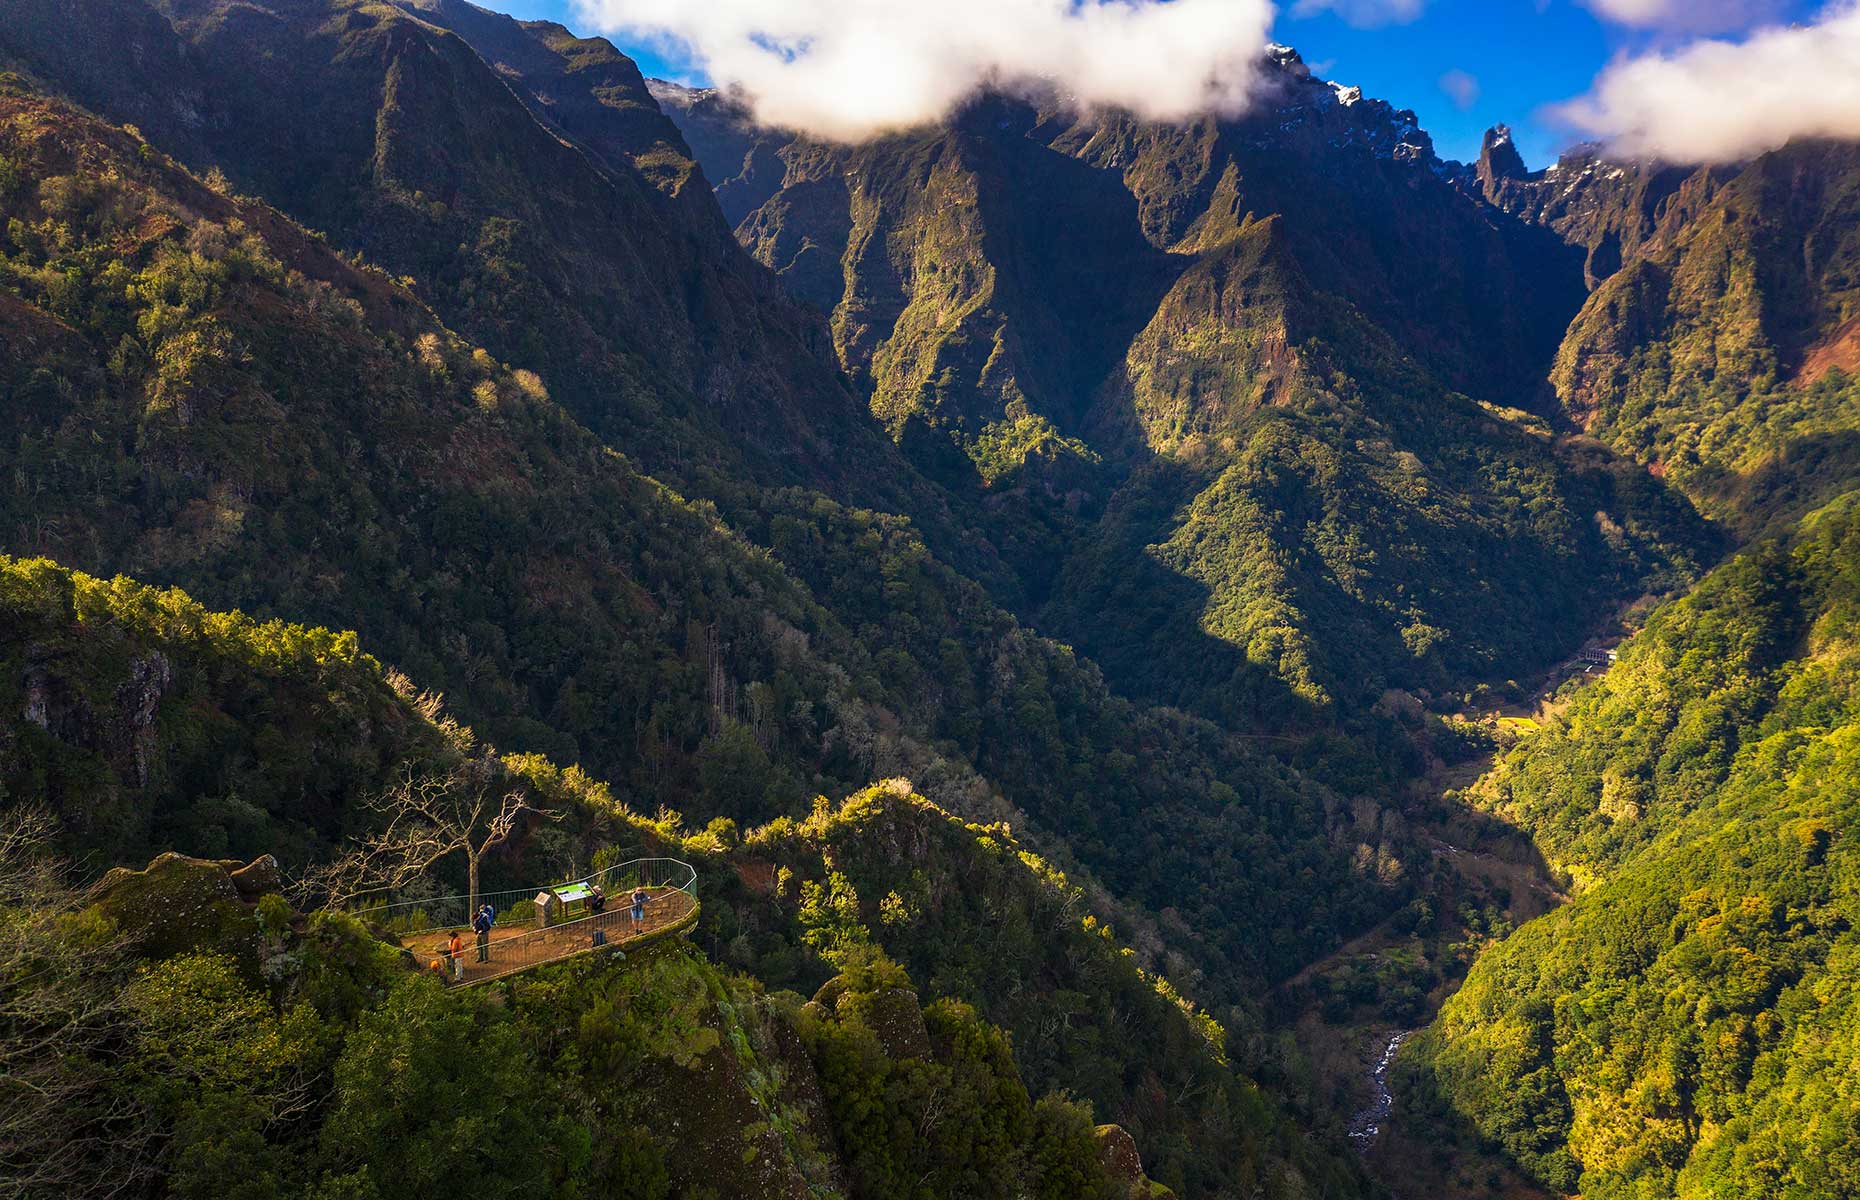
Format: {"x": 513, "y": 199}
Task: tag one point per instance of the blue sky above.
{"x": 1520, "y": 56}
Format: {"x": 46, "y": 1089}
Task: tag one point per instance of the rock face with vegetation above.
{"x": 1718, "y": 344}
{"x": 397, "y": 395}
{"x": 1289, "y": 358}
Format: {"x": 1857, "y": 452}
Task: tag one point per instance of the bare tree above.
{"x": 66, "y": 1128}
{"x": 425, "y": 819}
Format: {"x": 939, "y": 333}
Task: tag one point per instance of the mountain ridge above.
{"x": 1176, "y": 504}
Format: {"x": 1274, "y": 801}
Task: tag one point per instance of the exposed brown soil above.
{"x": 1839, "y": 349}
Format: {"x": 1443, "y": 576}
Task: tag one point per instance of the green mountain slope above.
{"x": 145, "y": 719}
{"x": 209, "y": 396}
{"x": 1135, "y": 490}
{"x": 1685, "y": 1027}
{"x": 277, "y": 1054}
{"x": 1352, "y": 525}
{"x": 1722, "y": 350}
{"x": 1270, "y": 377}
{"x": 486, "y": 544}
{"x": 384, "y": 129}
{"x": 393, "y": 137}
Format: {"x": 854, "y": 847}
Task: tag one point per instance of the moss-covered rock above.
{"x": 1119, "y": 1153}
{"x": 894, "y": 1017}
{"x": 179, "y": 904}
{"x": 260, "y": 877}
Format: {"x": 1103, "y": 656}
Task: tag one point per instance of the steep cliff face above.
{"x": 1605, "y": 209}
{"x": 1716, "y": 345}
{"x": 969, "y": 234}
{"x": 1250, "y": 342}
{"x": 387, "y": 130}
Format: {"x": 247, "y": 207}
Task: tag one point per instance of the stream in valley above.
{"x": 1367, "y": 1123}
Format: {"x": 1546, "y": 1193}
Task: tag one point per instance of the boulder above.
{"x": 1117, "y": 1150}
{"x": 892, "y": 1014}
{"x": 260, "y": 877}
{"x": 179, "y": 904}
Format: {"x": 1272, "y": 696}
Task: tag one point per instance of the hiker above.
{"x": 455, "y": 954}
{"x": 639, "y": 907}
{"x": 481, "y": 924}
{"x": 597, "y": 900}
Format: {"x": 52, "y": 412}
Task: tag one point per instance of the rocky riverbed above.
{"x": 1368, "y": 1121}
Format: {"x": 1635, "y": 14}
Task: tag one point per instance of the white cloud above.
{"x": 1721, "y": 101}
{"x": 848, "y": 69}
{"x": 1364, "y": 14}
{"x": 1461, "y": 87}
{"x": 1687, "y": 16}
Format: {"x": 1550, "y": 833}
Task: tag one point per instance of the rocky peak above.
{"x": 1288, "y": 60}
{"x": 1499, "y": 157}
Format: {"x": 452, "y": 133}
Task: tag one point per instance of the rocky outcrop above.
{"x": 1118, "y": 1151}
{"x": 1499, "y": 157}
{"x": 891, "y": 1013}
{"x": 1124, "y": 1167}
{"x": 179, "y": 904}
{"x": 894, "y": 1016}
{"x": 257, "y": 878}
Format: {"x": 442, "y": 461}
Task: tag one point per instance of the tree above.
{"x": 436, "y": 1095}
{"x": 66, "y": 1126}
{"x": 425, "y": 819}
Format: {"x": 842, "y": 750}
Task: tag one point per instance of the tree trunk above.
{"x": 471, "y": 877}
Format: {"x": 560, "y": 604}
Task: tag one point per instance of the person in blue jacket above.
{"x": 481, "y": 925}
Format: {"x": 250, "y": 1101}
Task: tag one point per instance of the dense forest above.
{"x": 1686, "y": 1025}
{"x": 1112, "y": 612}
{"x": 148, "y": 718}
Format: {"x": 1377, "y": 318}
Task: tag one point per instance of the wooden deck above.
{"x": 519, "y": 947}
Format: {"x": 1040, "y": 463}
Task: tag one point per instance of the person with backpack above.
{"x": 481, "y": 925}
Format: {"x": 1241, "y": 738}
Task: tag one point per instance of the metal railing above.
{"x": 518, "y": 939}
{"x": 518, "y": 904}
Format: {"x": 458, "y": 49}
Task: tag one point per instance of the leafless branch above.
{"x": 423, "y": 820}
{"x": 64, "y": 1130}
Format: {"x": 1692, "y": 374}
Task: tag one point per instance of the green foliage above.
{"x": 987, "y": 915}
{"x": 217, "y": 1065}
{"x": 1668, "y": 1033}
{"x": 1066, "y": 1154}
{"x": 151, "y": 720}
{"x": 344, "y": 969}
{"x": 1716, "y": 353}
{"x": 954, "y": 1122}
{"x": 433, "y": 1092}
{"x": 1165, "y": 809}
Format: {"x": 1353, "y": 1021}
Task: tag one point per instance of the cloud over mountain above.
{"x": 847, "y": 69}
{"x": 1721, "y": 101}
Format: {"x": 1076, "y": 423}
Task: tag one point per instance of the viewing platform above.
{"x": 533, "y": 927}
